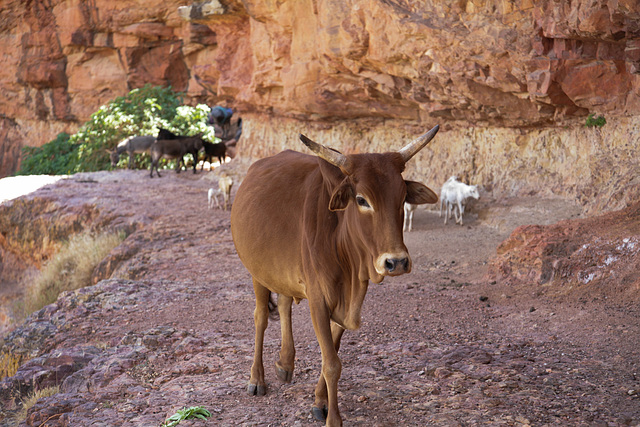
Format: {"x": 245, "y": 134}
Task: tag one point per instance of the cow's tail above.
{"x": 273, "y": 306}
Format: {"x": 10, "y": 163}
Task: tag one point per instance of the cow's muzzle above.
{"x": 393, "y": 264}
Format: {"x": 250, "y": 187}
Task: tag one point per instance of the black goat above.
{"x": 193, "y": 144}
{"x": 218, "y": 150}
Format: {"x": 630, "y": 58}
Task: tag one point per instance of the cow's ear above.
{"x": 418, "y": 193}
{"x": 341, "y": 196}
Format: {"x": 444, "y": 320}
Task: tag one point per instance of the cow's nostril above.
{"x": 392, "y": 264}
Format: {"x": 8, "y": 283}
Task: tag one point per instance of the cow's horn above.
{"x": 410, "y": 150}
{"x": 332, "y": 156}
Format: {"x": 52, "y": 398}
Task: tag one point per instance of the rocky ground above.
{"x": 452, "y": 344}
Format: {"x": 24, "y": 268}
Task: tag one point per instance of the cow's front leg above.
{"x": 325, "y": 407}
{"x": 257, "y": 386}
{"x": 284, "y": 366}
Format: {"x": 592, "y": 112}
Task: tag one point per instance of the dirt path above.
{"x": 441, "y": 346}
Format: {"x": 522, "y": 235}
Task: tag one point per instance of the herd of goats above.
{"x": 453, "y": 195}
{"x": 453, "y": 198}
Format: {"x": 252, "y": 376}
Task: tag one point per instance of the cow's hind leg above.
{"x": 257, "y": 386}
{"x": 284, "y": 366}
{"x": 321, "y": 404}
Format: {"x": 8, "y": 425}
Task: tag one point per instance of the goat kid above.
{"x": 213, "y": 198}
{"x": 409, "y": 208}
{"x": 225, "y": 183}
{"x": 224, "y": 188}
{"x": 454, "y": 195}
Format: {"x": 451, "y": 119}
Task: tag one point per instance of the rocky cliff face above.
{"x": 511, "y": 82}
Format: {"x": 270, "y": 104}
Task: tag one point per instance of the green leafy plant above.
{"x": 142, "y": 111}
{"x": 186, "y": 413}
{"x": 57, "y": 157}
{"x": 595, "y": 121}
{"x": 191, "y": 121}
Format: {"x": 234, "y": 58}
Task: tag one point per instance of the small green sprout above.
{"x": 593, "y": 121}
{"x": 185, "y": 414}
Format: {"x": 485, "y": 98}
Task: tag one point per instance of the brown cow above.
{"x": 321, "y": 227}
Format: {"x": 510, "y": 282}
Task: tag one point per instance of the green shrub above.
{"x": 593, "y": 121}
{"x": 192, "y": 121}
{"x": 141, "y": 112}
{"x": 57, "y": 157}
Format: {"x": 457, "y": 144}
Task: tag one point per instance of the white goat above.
{"x": 213, "y": 197}
{"x": 224, "y": 188}
{"x": 408, "y": 216}
{"x": 454, "y": 195}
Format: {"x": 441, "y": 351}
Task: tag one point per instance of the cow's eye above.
{"x": 362, "y": 202}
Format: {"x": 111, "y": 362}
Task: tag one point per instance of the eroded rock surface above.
{"x": 595, "y": 257}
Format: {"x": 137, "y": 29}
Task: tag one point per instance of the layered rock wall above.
{"x": 510, "y": 82}
{"x": 596, "y": 167}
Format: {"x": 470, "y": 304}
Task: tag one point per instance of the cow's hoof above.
{"x": 256, "y": 390}
{"x": 319, "y": 414}
{"x": 284, "y": 375}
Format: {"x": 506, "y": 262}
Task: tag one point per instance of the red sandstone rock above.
{"x": 589, "y": 257}
{"x": 414, "y": 61}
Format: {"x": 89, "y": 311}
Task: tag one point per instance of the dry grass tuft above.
{"x": 31, "y": 400}
{"x": 70, "y": 268}
{"x": 9, "y": 364}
